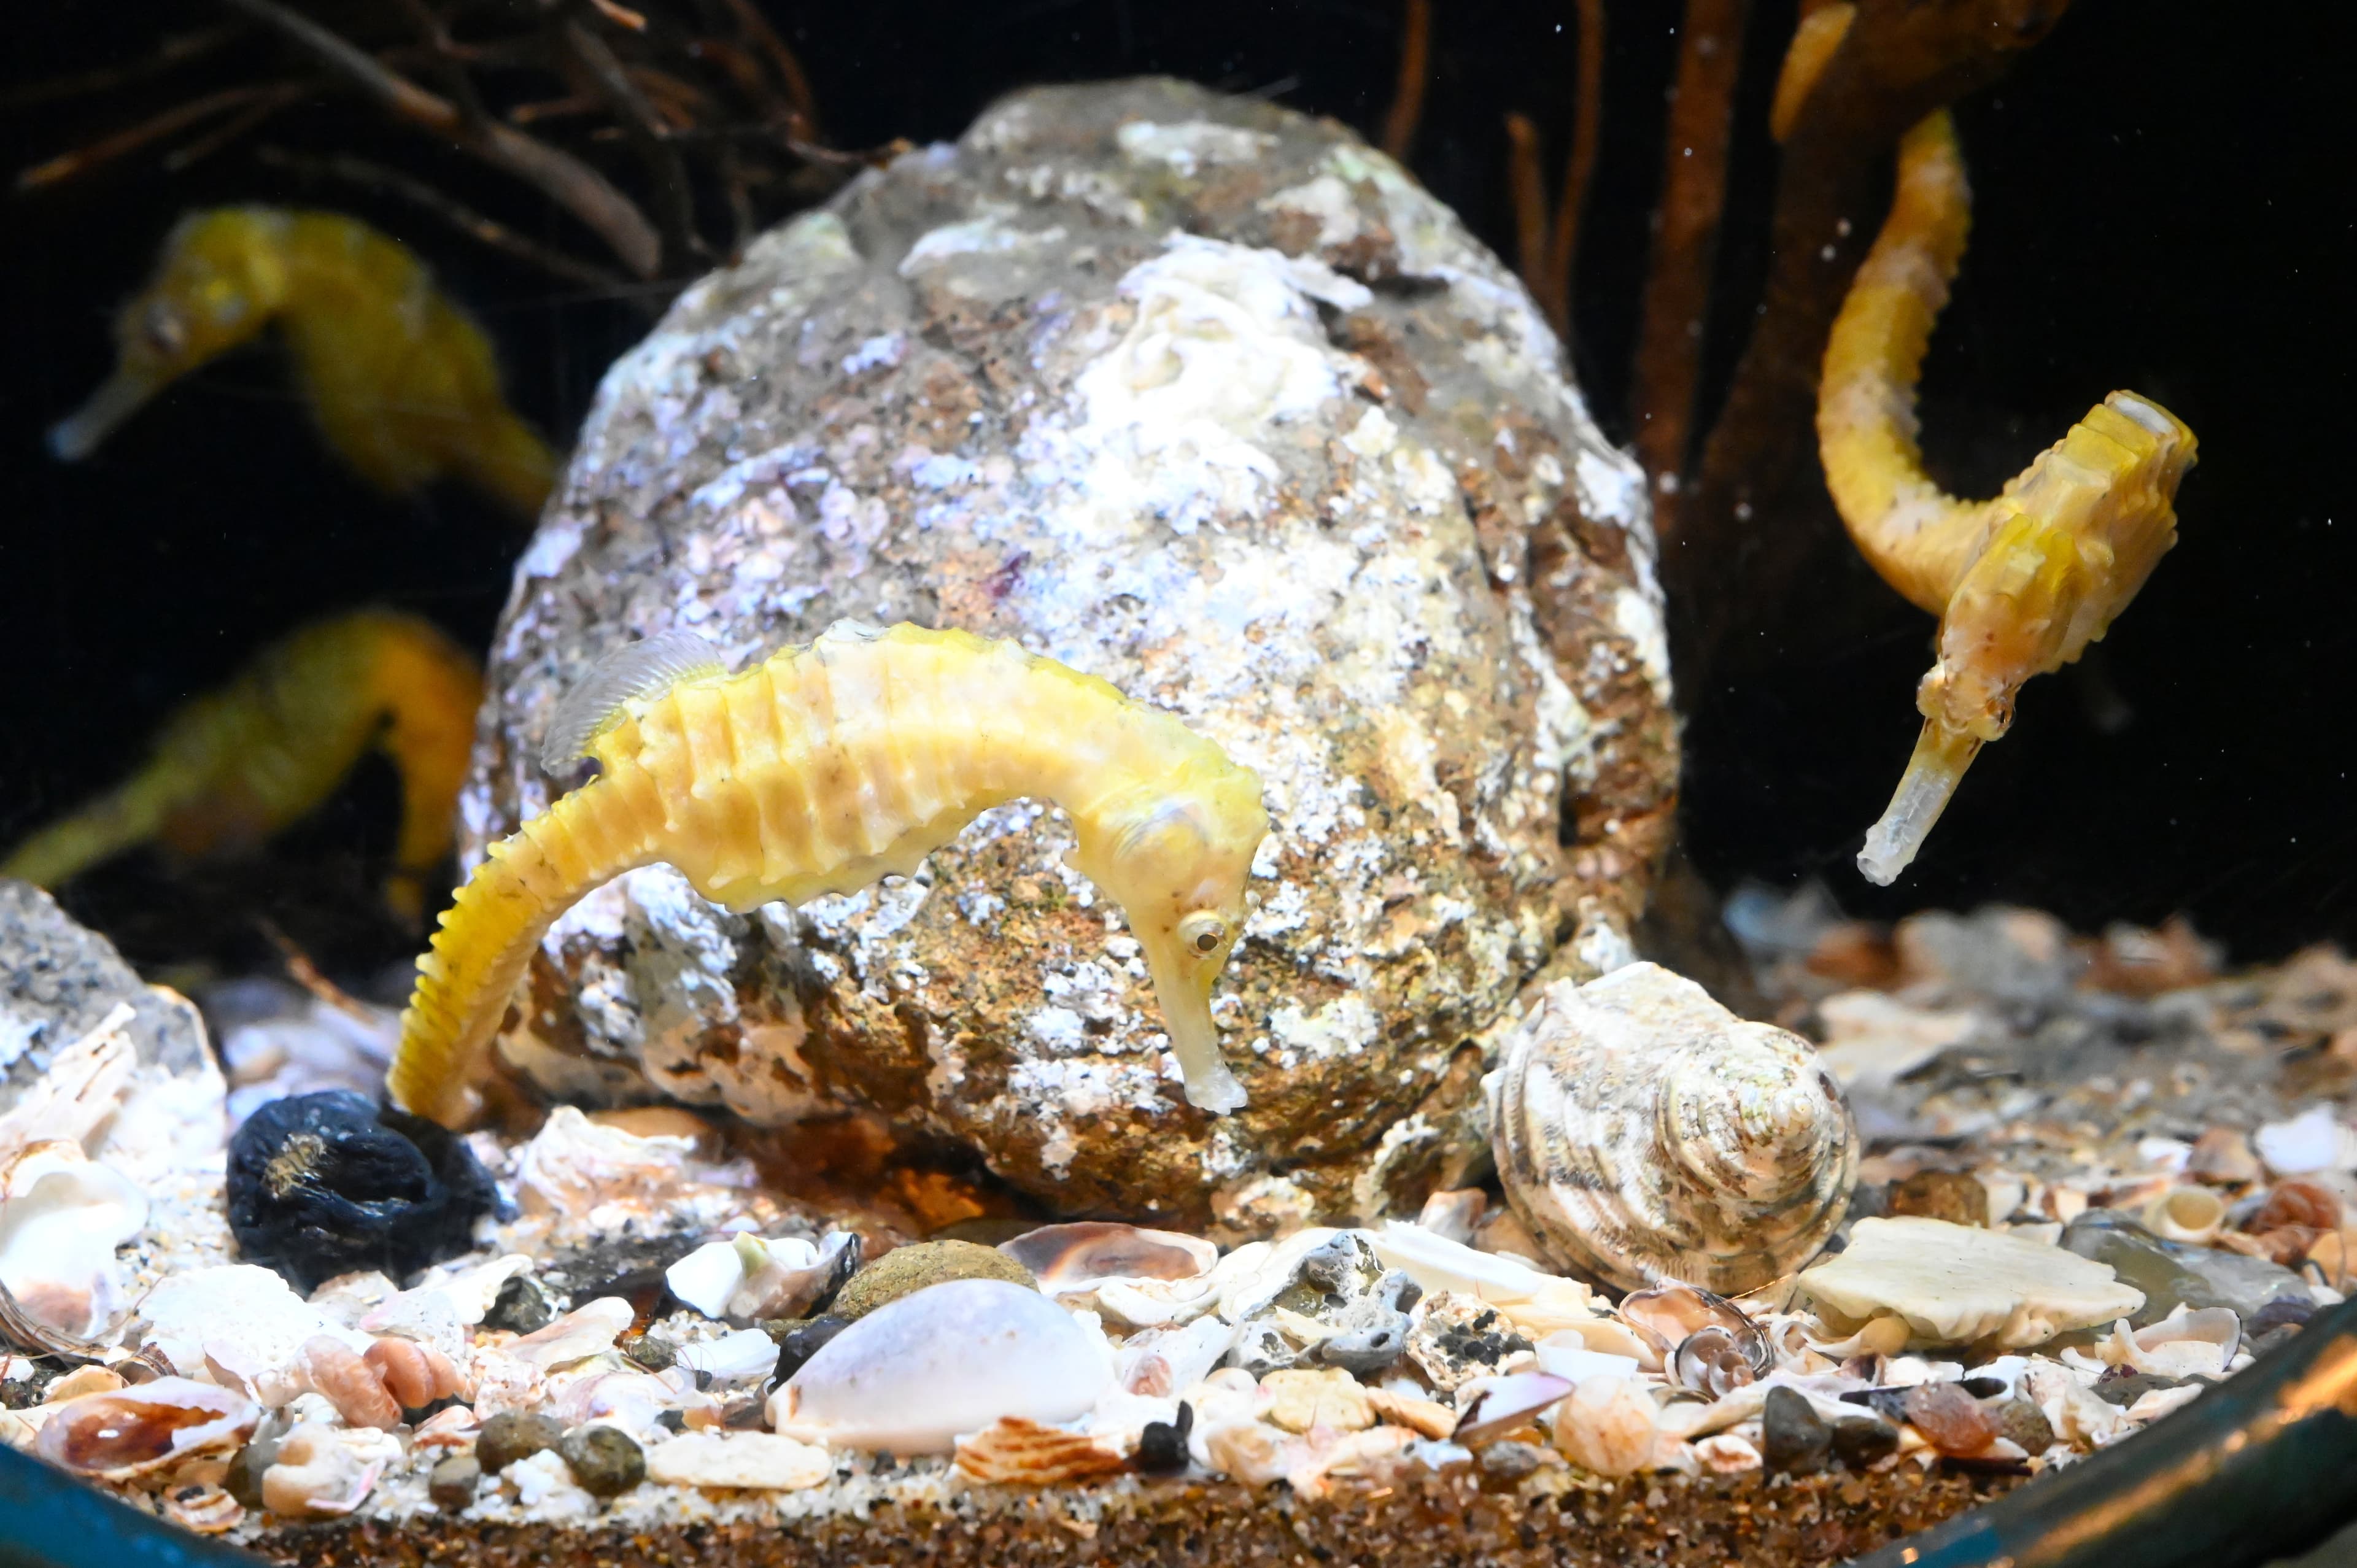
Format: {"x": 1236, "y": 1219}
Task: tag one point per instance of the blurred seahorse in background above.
{"x": 236, "y": 764}
{"x": 2022, "y": 582}
{"x": 401, "y": 384}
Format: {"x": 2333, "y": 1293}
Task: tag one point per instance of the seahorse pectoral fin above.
{"x": 618, "y": 678}
{"x": 1938, "y": 765}
{"x": 120, "y": 396}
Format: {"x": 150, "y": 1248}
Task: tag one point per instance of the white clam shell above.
{"x": 1644, "y": 1132}
{"x": 1952, "y": 1284}
{"x": 62, "y": 1214}
{"x": 912, "y": 1376}
{"x": 236, "y": 1321}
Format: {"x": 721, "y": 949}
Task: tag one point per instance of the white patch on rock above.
{"x": 988, "y": 235}
{"x": 1325, "y": 199}
{"x": 1188, "y": 145}
{"x": 1225, "y": 343}
{"x": 1339, "y": 1027}
{"x": 1639, "y": 619}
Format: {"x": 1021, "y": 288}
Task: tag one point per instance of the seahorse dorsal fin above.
{"x": 620, "y": 678}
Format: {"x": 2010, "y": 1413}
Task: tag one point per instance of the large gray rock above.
{"x": 59, "y": 980}
{"x": 1207, "y": 398}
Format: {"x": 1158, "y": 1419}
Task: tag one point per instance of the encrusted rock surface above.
{"x": 1204, "y": 397}
{"x": 59, "y": 980}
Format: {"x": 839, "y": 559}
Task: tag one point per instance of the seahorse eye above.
{"x": 1203, "y": 933}
{"x": 165, "y": 333}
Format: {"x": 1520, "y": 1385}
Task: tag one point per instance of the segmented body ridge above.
{"x": 820, "y": 770}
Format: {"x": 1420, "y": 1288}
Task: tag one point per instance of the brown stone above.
{"x": 1109, "y": 376}
{"x": 1956, "y": 1196}
{"x": 1951, "y": 1420}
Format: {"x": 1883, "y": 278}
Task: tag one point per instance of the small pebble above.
{"x": 452, "y": 1485}
{"x": 1794, "y": 1438}
{"x": 1956, "y": 1197}
{"x": 1862, "y": 1440}
{"x": 1983, "y": 1388}
{"x": 2130, "y": 1386}
{"x": 243, "y": 1481}
{"x": 521, "y": 1307}
{"x": 1951, "y": 1420}
{"x": 511, "y": 1435}
{"x": 2285, "y": 1311}
{"x": 1162, "y": 1446}
{"x": 651, "y": 1351}
{"x": 604, "y": 1460}
{"x": 800, "y": 1338}
{"x": 2259, "y": 1344}
{"x": 2021, "y": 1421}
{"x": 904, "y": 1270}
{"x": 1508, "y": 1461}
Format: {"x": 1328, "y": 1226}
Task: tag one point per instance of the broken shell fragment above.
{"x": 587, "y": 1330}
{"x": 951, "y": 1358}
{"x": 62, "y": 1214}
{"x": 1956, "y": 1284}
{"x": 2194, "y": 1214}
{"x": 1013, "y": 1451}
{"x": 748, "y": 1277}
{"x": 203, "y": 1507}
{"x": 1070, "y": 1259}
{"x": 1665, "y": 1314}
{"x": 129, "y": 1432}
{"x": 318, "y": 1474}
{"x": 1605, "y": 1425}
{"x": 792, "y": 1276}
{"x": 753, "y": 1461}
{"x": 1644, "y": 1132}
{"x": 1495, "y": 1406}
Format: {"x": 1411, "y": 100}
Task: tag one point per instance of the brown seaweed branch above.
{"x": 1899, "y": 60}
{"x": 1526, "y": 192}
{"x": 1686, "y": 240}
{"x": 486, "y": 231}
{"x": 78, "y": 161}
{"x": 563, "y": 178}
{"x": 1578, "y": 171}
{"x": 1414, "y": 69}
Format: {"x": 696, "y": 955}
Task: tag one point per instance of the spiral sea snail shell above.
{"x": 1644, "y": 1132}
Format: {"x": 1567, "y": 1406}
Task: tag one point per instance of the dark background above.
{"x": 2166, "y": 203}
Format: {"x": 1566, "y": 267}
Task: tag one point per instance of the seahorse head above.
{"x": 1176, "y": 854}
{"x": 221, "y": 278}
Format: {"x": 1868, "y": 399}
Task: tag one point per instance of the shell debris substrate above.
{"x": 1644, "y": 1132}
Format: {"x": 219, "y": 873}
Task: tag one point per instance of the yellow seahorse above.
{"x": 822, "y": 768}
{"x": 234, "y": 766}
{"x": 401, "y": 384}
{"x": 2022, "y": 582}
